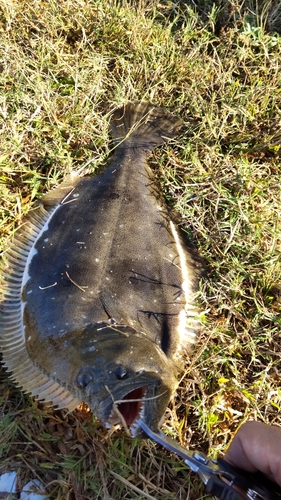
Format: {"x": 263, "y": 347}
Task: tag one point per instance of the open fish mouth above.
{"x": 144, "y": 401}
{"x": 128, "y": 409}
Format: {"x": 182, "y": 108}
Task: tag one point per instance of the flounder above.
{"x": 98, "y": 286}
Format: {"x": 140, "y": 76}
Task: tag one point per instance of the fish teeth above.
{"x": 135, "y": 427}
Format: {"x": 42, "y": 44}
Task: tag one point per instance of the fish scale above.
{"x": 99, "y": 283}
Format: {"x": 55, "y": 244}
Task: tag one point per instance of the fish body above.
{"x": 98, "y": 286}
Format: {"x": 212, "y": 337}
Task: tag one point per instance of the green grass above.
{"x": 64, "y": 66}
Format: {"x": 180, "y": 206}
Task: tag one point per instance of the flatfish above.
{"x": 98, "y": 287}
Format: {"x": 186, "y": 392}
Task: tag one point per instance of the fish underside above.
{"x": 98, "y": 286}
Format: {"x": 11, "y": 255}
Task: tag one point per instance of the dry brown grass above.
{"x": 64, "y": 66}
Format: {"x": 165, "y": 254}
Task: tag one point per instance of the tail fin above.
{"x": 141, "y": 124}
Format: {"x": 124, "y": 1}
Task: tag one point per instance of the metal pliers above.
{"x": 220, "y": 478}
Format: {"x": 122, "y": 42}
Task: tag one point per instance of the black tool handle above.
{"x": 256, "y": 481}
{"x": 222, "y": 490}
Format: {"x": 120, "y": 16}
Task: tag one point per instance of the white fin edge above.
{"x": 188, "y": 323}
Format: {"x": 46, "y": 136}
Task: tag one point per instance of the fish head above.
{"x": 124, "y": 376}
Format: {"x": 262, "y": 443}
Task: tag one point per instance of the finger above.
{"x": 257, "y": 446}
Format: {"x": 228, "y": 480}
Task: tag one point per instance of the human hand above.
{"x": 257, "y": 447}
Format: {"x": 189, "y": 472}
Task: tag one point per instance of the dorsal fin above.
{"x": 61, "y": 192}
{"x": 25, "y": 372}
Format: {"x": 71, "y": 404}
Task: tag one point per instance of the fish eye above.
{"x": 120, "y": 372}
{"x": 84, "y": 378}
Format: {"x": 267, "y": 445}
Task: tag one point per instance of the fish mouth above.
{"x": 128, "y": 410}
{"x": 144, "y": 402}
{"x": 122, "y": 396}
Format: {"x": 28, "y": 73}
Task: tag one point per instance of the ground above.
{"x": 64, "y": 67}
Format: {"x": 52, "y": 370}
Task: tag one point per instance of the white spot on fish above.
{"x": 46, "y": 239}
{"x": 75, "y": 195}
{"x": 121, "y": 225}
{"x": 97, "y": 260}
